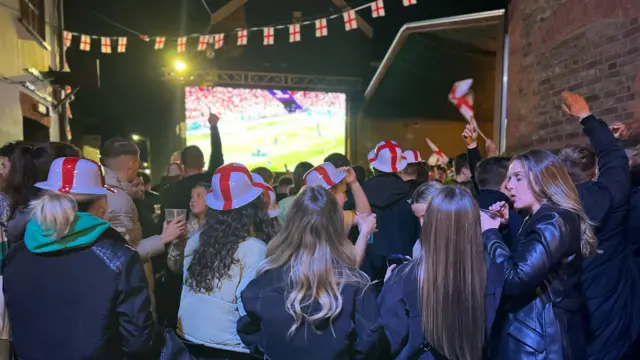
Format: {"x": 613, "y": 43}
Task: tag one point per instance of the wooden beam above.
{"x": 362, "y": 24}
{"x": 226, "y": 10}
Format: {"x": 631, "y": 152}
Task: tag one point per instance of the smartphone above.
{"x": 491, "y": 214}
{"x": 397, "y": 260}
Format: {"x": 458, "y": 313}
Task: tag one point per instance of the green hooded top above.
{"x": 84, "y": 230}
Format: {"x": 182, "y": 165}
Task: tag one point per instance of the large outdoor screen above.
{"x": 272, "y": 128}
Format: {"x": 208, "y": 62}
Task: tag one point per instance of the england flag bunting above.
{"x": 218, "y": 41}
{"x": 122, "y": 44}
{"x": 349, "y": 16}
{"x": 321, "y": 27}
{"x": 350, "y": 21}
{"x": 105, "y": 45}
{"x": 203, "y": 41}
{"x": 160, "y": 40}
{"x": 242, "y": 37}
{"x": 294, "y": 33}
{"x": 377, "y": 8}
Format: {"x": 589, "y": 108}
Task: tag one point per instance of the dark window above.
{"x": 33, "y": 17}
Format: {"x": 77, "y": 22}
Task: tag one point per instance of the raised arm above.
{"x": 216, "y": 158}
{"x": 526, "y": 268}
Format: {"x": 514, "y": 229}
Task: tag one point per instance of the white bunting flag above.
{"x": 377, "y": 8}
{"x": 321, "y": 27}
{"x": 67, "y": 39}
{"x": 105, "y": 45}
{"x": 122, "y": 44}
{"x": 218, "y": 41}
{"x": 350, "y": 21}
{"x": 160, "y": 40}
{"x": 242, "y": 37}
{"x": 85, "y": 43}
{"x": 268, "y": 36}
{"x": 409, "y": 2}
{"x": 182, "y": 44}
{"x": 294, "y": 33}
{"x": 203, "y": 41}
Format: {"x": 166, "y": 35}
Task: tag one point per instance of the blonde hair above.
{"x": 452, "y": 275}
{"x": 54, "y": 211}
{"x": 550, "y": 182}
{"x": 317, "y": 256}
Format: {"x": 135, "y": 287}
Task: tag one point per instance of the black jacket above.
{"x": 354, "y": 334}
{"x": 85, "y": 303}
{"x": 633, "y": 222}
{"x": 400, "y": 309}
{"x": 609, "y": 279}
{"x": 541, "y": 314}
{"x": 488, "y": 197}
{"x": 397, "y": 226}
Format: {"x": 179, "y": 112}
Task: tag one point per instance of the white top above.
{"x": 210, "y": 319}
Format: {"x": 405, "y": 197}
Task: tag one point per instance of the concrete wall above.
{"x": 411, "y": 134}
{"x": 18, "y": 51}
{"x": 591, "y": 47}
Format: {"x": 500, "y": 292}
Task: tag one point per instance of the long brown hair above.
{"x": 317, "y": 257}
{"x": 452, "y": 275}
{"x": 550, "y": 183}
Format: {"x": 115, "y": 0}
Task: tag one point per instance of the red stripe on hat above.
{"x": 324, "y": 174}
{"x": 416, "y": 156}
{"x": 392, "y": 150}
{"x": 68, "y": 174}
{"x": 225, "y": 172}
{"x": 266, "y": 191}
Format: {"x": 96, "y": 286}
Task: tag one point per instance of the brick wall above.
{"x": 591, "y": 47}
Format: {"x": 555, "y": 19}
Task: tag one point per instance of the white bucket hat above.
{"x": 232, "y": 187}
{"x": 412, "y": 156}
{"x": 387, "y": 157}
{"x": 74, "y": 175}
{"x": 268, "y": 193}
{"x": 325, "y": 175}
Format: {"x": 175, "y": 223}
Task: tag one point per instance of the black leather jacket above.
{"x": 83, "y": 303}
{"x": 541, "y": 315}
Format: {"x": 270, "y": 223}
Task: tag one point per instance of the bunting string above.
{"x": 241, "y": 36}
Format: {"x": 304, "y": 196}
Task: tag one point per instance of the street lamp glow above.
{"x": 180, "y": 66}
{"x": 136, "y": 137}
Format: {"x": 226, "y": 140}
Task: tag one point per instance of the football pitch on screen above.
{"x": 276, "y": 142}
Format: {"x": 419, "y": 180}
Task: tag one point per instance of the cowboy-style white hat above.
{"x": 74, "y": 175}
{"x": 232, "y": 187}
{"x": 412, "y": 156}
{"x": 268, "y": 193}
{"x": 325, "y": 175}
{"x": 387, "y": 157}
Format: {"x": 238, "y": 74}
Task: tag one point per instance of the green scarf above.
{"x": 84, "y": 230}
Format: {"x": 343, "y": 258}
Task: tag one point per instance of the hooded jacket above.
{"x": 397, "y": 226}
{"x": 81, "y": 296}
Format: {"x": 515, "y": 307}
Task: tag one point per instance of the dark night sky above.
{"x": 132, "y": 97}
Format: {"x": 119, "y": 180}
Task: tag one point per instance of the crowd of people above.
{"x": 243, "y": 104}
{"x": 532, "y": 256}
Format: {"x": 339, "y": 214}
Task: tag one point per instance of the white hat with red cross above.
{"x": 232, "y": 187}
{"x": 325, "y": 175}
{"x": 412, "y": 156}
{"x": 74, "y": 175}
{"x": 387, "y": 157}
{"x": 268, "y": 193}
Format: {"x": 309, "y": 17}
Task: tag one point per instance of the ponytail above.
{"x": 54, "y": 211}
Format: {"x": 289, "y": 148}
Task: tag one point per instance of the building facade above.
{"x": 28, "y": 40}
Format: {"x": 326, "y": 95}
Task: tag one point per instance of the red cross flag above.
{"x": 438, "y": 157}
{"x": 321, "y": 27}
{"x": 67, "y": 39}
{"x": 409, "y": 2}
{"x": 350, "y": 22}
{"x": 268, "y": 36}
{"x": 218, "y": 41}
{"x": 242, "y": 37}
{"x": 462, "y": 97}
{"x": 182, "y": 44}
{"x": 122, "y": 44}
{"x": 85, "y": 43}
{"x": 159, "y": 42}
{"x": 377, "y": 8}
{"x": 294, "y": 33}
{"x": 203, "y": 41}
{"x": 144, "y": 37}
{"x": 105, "y": 45}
